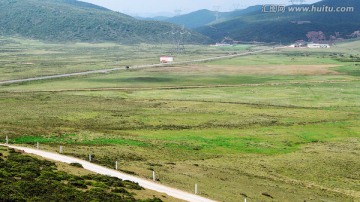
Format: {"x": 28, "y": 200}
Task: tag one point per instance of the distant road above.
{"x": 106, "y": 171}
{"x": 133, "y": 67}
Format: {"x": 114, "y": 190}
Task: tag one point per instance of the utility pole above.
{"x": 297, "y": 1}
{"x": 236, "y": 6}
{"x": 153, "y": 175}
{"x": 177, "y": 12}
{"x": 217, "y": 12}
{"x": 178, "y": 37}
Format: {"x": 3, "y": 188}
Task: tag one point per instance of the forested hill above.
{"x": 206, "y": 17}
{"x": 71, "y": 20}
{"x": 288, "y": 26}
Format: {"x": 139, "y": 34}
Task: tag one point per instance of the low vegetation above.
{"x": 266, "y": 127}
{"x": 25, "y": 178}
{"x": 22, "y": 58}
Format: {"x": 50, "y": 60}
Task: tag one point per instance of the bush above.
{"x": 79, "y": 184}
{"x": 133, "y": 185}
{"x": 78, "y": 165}
{"x": 120, "y": 190}
{"x": 37, "y": 180}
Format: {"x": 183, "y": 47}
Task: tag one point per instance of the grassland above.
{"x": 265, "y": 127}
{"x": 20, "y": 58}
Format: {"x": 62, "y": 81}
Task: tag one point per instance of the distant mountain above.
{"x": 288, "y": 26}
{"x": 240, "y": 12}
{"x": 71, "y": 20}
{"x": 156, "y": 18}
{"x": 205, "y": 17}
{"x": 83, "y": 4}
{"x": 194, "y": 19}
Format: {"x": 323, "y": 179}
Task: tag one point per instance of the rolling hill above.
{"x": 286, "y": 27}
{"x": 195, "y": 19}
{"x": 205, "y": 17}
{"x": 71, "y": 20}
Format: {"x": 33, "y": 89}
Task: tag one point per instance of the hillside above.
{"x": 82, "y": 4}
{"x": 205, "y": 17}
{"x": 70, "y": 20}
{"x": 194, "y": 19}
{"x": 286, "y": 27}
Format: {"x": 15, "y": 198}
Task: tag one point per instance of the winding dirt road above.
{"x": 106, "y": 171}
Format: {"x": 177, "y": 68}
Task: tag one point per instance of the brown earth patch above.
{"x": 256, "y": 69}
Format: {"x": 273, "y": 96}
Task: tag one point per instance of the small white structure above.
{"x": 316, "y": 45}
{"x": 166, "y": 59}
{"x": 221, "y": 44}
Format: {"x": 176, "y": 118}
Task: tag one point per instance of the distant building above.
{"x": 166, "y": 59}
{"x": 298, "y": 44}
{"x": 301, "y": 22}
{"x": 221, "y": 44}
{"x": 316, "y": 45}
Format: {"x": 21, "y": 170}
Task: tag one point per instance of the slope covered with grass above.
{"x": 59, "y": 20}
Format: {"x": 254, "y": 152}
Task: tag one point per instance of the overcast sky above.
{"x": 155, "y": 7}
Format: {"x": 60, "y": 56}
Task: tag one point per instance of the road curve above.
{"x": 106, "y": 171}
{"x": 133, "y": 67}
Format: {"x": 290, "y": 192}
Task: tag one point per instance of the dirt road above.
{"x": 106, "y": 171}
{"x": 133, "y": 67}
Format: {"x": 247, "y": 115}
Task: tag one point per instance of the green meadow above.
{"x": 278, "y": 126}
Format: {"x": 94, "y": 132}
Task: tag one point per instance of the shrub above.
{"x": 78, "y": 165}
{"x": 79, "y": 184}
{"x": 120, "y": 190}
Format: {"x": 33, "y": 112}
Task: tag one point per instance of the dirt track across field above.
{"x": 135, "y": 67}
{"x": 252, "y": 69}
{"x": 106, "y": 171}
{"x": 181, "y": 87}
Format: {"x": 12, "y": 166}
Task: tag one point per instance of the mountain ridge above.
{"x": 204, "y": 17}
{"x": 70, "y": 20}
{"x": 286, "y": 27}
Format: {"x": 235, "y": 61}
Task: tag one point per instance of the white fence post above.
{"x": 116, "y": 165}
{"x": 196, "y": 189}
{"x": 61, "y": 149}
{"x": 154, "y": 176}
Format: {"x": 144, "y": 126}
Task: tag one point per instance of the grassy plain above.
{"x": 20, "y": 58}
{"x": 282, "y": 132}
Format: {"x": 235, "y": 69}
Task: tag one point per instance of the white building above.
{"x": 316, "y": 45}
{"x": 221, "y": 44}
{"x": 166, "y": 59}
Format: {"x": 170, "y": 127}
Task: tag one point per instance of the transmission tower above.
{"x": 217, "y": 12}
{"x": 297, "y": 1}
{"x": 178, "y": 36}
{"x": 177, "y": 12}
{"x": 236, "y": 6}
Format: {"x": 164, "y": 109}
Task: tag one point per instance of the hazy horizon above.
{"x": 150, "y": 8}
